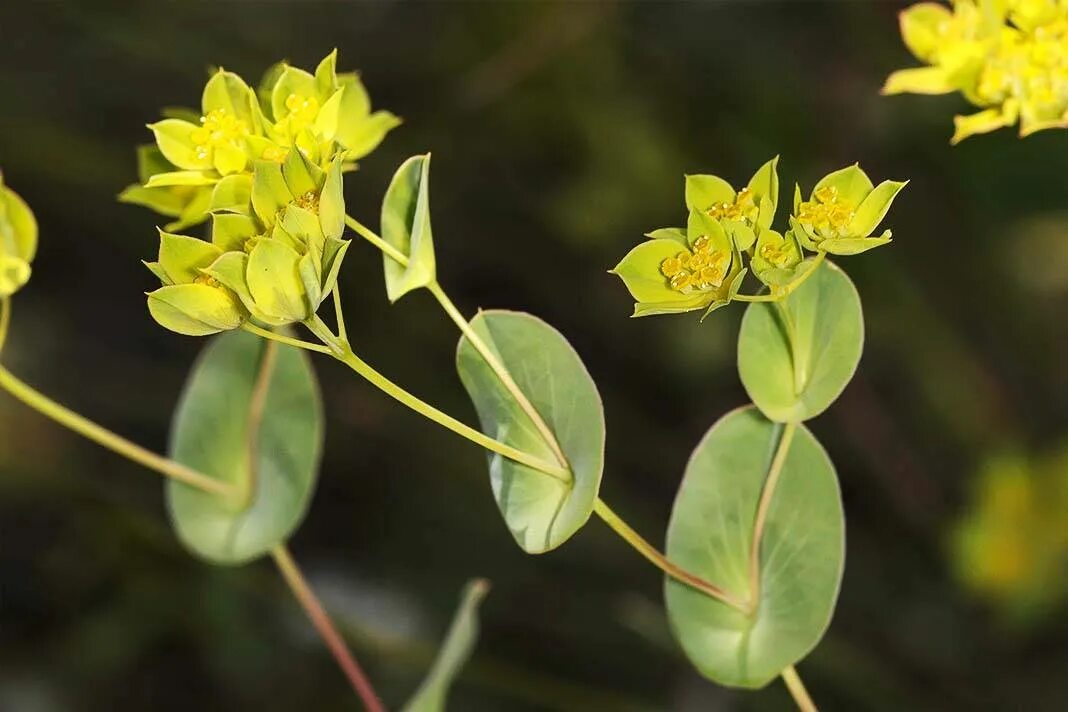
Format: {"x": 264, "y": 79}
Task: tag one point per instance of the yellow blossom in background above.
{"x": 1008, "y": 57}
{"x": 1011, "y": 545}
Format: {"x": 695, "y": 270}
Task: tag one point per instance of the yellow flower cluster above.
{"x": 1008, "y": 56}
{"x": 827, "y": 215}
{"x": 743, "y": 207}
{"x": 699, "y": 271}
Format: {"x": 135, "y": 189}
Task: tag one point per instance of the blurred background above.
{"x": 560, "y": 134}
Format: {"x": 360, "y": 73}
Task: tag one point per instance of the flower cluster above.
{"x": 728, "y": 235}
{"x": 266, "y": 167}
{"x": 1009, "y": 57}
{"x": 203, "y": 161}
{"x": 18, "y": 241}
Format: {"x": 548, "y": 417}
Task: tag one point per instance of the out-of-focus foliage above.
{"x": 1011, "y": 545}
{"x": 1009, "y": 57}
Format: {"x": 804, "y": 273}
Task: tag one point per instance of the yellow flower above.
{"x": 1009, "y": 58}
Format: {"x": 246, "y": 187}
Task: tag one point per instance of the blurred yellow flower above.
{"x": 1009, "y": 57}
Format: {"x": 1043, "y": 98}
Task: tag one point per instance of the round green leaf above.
{"x": 802, "y": 551}
{"x": 796, "y": 356}
{"x": 541, "y": 511}
{"x": 215, "y": 432}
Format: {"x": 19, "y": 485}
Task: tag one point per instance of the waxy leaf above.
{"x": 454, "y": 653}
{"x": 406, "y": 226}
{"x": 795, "y": 357}
{"x": 801, "y": 550}
{"x": 228, "y": 427}
{"x": 541, "y": 511}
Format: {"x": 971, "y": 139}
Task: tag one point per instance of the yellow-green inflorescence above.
{"x": 1008, "y": 57}
{"x": 266, "y": 166}
{"x": 18, "y": 241}
{"x": 729, "y": 235}
{"x": 202, "y": 161}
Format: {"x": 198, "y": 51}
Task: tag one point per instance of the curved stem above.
{"x": 774, "y": 471}
{"x": 105, "y": 438}
{"x": 500, "y": 370}
{"x": 283, "y": 339}
{"x": 797, "y": 690}
{"x": 5, "y": 320}
{"x": 342, "y": 351}
{"x": 656, "y": 558}
{"x": 787, "y": 289}
{"x": 321, "y": 620}
{"x": 372, "y": 237}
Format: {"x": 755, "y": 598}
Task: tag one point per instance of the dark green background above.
{"x": 560, "y": 134}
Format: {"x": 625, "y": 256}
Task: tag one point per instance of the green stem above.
{"x": 321, "y": 620}
{"x": 797, "y": 690}
{"x": 339, "y": 315}
{"x": 500, "y": 370}
{"x": 764, "y": 506}
{"x": 653, "y": 555}
{"x": 342, "y": 351}
{"x": 5, "y": 320}
{"x": 372, "y": 237}
{"x": 111, "y": 441}
{"x": 283, "y": 339}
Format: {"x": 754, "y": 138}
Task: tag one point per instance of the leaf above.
{"x": 213, "y": 432}
{"x": 704, "y": 191}
{"x": 455, "y": 651}
{"x": 640, "y": 271}
{"x": 541, "y": 512}
{"x": 802, "y": 550}
{"x": 406, "y": 226}
{"x": 794, "y": 368}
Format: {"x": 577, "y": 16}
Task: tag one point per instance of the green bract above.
{"x": 406, "y": 226}
{"x": 682, "y": 270}
{"x": 673, "y": 272}
{"x": 275, "y": 263}
{"x": 843, "y": 212}
{"x": 18, "y": 240}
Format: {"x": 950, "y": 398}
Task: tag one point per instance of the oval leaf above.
{"x": 541, "y": 511}
{"x": 796, "y": 356}
{"x": 406, "y": 226}
{"x": 802, "y": 551}
{"x": 217, "y": 431}
{"x": 454, "y": 653}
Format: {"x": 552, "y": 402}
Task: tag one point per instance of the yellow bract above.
{"x": 1010, "y": 58}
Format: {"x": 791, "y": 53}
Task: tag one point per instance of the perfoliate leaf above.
{"x": 406, "y": 226}
{"x": 796, "y": 356}
{"x": 269, "y": 454}
{"x": 542, "y": 512}
{"x": 800, "y": 560}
